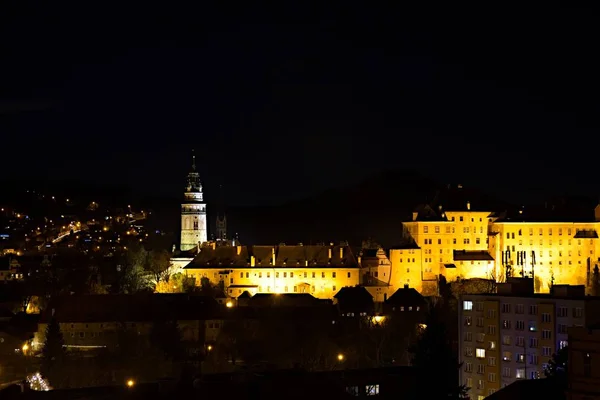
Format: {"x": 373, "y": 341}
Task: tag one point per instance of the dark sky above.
{"x": 281, "y": 103}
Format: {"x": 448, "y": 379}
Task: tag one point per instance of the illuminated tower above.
{"x": 193, "y": 212}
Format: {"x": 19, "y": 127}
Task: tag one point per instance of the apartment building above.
{"x": 584, "y": 363}
{"x": 511, "y": 334}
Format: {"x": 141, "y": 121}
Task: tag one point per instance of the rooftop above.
{"x": 316, "y": 256}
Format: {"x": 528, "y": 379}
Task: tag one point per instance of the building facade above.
{"x": 584, "y": 363}
{"x": 319, "y": 270}
{"x": 511, "y": 334}
{"x": 465, "y": 243}
{"x": 194, "y": 230}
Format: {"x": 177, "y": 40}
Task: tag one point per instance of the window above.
{"x": 491, "y": 314}
{"x": 437, "y": 229}
{"x": 492, "y": 361}
{"x": 506, "y": 372}
{"x": 425, "y": 229}
{"x": 506, "y": 324}
{"x": 480, "y": 353}
{"x": 546, "y": 317}
{"x": 546, "y": 351}
{"x": 533, "y": 342}
{"x": 546, "y": 334}
{"x": 468, "y": 336}
{"x": 520, "y": 373}
{"x": 467, "y": 305}
{"x": 491, "y": 377}
{"x": 372, "y": 390}
{"x": 532, "y": 326}
{"x": 491, "y": 329}
{"x": 468, "y": 321}
{"x": 520, "y": 325}
{"x": 492, "y": 345}
{"x": 506, "y": 340}
{"x": 506, "y": 308}
{"x": 506, "y": 356}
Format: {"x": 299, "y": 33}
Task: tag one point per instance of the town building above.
{"x": 584, "y": 363}
{"x": 511, "y": 334}
{"x": 10, "y": 269}
{"x": 552, "y": 245}
{"x": 90, "y": 322}
{"x": 321, "y": 270}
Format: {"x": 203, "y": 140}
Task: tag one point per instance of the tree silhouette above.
{"x": 556, "y": 369}
{"x": 432, "y": 354}
{"x": 53, "y": 353}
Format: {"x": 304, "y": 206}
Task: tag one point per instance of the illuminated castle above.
{"x": 463, "y": 242}
{"x": 452, "y": 239}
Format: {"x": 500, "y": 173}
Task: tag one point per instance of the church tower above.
{"x": 193, "y": 212}
{"x": 221, "y": 225}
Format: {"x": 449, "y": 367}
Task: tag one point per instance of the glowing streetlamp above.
{"x": 25, "y": 348}
{"x": 229, "y": 304}
{"x": 209, "y": 347}
{"x": 340, "y": 357}
{"x": 130, "y": 383}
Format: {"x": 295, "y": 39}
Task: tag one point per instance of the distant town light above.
{"x": 229, "y": 304}
{"x": 130, "y": 383}
{"x": 340, "y": 357}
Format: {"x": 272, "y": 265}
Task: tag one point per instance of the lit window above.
{"x": 467, "y": 305}
{"x": 372, "y": 390}
{"x": 480, "y": 353}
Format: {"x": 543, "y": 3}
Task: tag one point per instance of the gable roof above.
{"x": 315, "y": 256}
{"x": 404, "y": 296}
{"x": 353, "y": 294}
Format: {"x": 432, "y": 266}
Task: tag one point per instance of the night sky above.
{"x": 284, "y": 103}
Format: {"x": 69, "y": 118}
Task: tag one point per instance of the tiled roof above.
{"x": 285, "y": 256}
{"x": 405, "y": 296}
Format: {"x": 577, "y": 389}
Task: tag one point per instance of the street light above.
{"x": 340, "y": 357}
{"x": 130, "y": 383}
{"x": 229, "y": 304}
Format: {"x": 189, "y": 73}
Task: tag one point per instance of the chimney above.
{"x": 406, "y": 286}
{"x": 252, "y": 261}
{"x": 306, "y": 263}
{"x": 239, "y": 250}
{"x": 468, "y": 205}
{"x": 341, "y": 253}
{"x": 329, "y": 253}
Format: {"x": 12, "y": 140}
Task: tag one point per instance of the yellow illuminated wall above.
{"x": 318, "y": 270}
{"x": 559, "y": 253}
{"x": 565, "y": 252}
